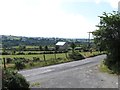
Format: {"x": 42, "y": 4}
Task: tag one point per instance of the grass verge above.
{"x": 35, "y": 84}
{"x": 104, "y": 68}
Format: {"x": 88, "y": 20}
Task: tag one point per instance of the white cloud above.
{"x": 41, "y": 18}
{"x": 97, "y": 1}
{"x": 113, "y": 3}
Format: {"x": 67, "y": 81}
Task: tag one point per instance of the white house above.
{"x": 62, "y": 45}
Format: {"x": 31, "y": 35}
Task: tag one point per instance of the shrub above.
{"x": 8, "y": 60}
{"x": 5, "y": 53}
{"x": 112, "y": 64}
{"x": 36, "y": 59}
{"x": 20, "y": 53}
{"x": 31, "y": 64}
{"x": 26, "y": 60}
{"x": 76, "y": 56}
{"x": 59, "y": 58}
{"x": 22, "y": 59}
{"x": 12, "y": 80}
{"x": 48, "y": 52}
{"x": 19, "y": 64}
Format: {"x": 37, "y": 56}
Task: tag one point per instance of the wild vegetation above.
{"x": 12, "y": 80}
{"x": 107, "y": 37}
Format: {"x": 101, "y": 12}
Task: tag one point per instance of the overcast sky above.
{"x": 52, "y": 18}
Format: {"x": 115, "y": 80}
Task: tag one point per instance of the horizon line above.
{"x": 43, "y": 37}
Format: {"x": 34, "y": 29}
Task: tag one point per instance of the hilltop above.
{"x": 36, "y": 41}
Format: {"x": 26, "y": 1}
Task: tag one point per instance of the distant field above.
{"x": 27, "y": 46}
{"x": 30, "y": 46}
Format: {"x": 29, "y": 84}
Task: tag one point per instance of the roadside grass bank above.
{"x": 103, "y": 68}
{"x": 35, "y": 84}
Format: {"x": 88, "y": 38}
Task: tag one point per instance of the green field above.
{"x": 48, "y": 56}
{"x": 26, "y": 47}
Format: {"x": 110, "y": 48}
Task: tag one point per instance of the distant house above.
{"x": 62, "y": 46}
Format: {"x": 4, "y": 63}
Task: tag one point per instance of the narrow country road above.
{"x": 76, "y": 74}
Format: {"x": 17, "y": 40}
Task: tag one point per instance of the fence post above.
{"x": 4, "y": 63}
{"x": 44, "y": 58}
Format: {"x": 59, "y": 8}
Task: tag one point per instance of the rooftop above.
{"x": 60, "y": 43}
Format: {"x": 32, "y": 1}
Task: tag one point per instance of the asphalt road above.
{"x": 77, "y": 74}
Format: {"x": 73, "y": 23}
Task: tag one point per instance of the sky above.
{"x": 52, "y": 18}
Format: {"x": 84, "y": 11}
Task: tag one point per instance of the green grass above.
{"x": 35, "y": 84}
{"x": 48, "y": 56}
{"x": 47, "y": 63}
{"x": 88, "y": 54}
{"x": 49, "y": 59}
{"x": 104, "y": 68}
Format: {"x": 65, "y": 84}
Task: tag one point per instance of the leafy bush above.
{"x": 12, "y": 80}
{"x": 19, "y": 64}
{"x": 59, "y": 58}
{"x": 5, "y": 53}
{"x": 48, "y": 52}
{"x": 8, "y": 60}
{"x": 36, "y": 59}
{"x": 76, "y": 56}
{"x": 22, "y": 59}
{"x": 112, "y": 64}
{"x": 20, "y": 53}
{"x": 31, "y": 64}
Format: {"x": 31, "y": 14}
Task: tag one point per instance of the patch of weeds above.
{"x": 104, "y": 68}
{"x": 35, "y": 84}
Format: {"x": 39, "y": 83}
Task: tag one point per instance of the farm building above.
{"x": 63, "y": 46}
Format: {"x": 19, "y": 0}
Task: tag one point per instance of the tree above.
{"x": 19, "y": 64}
{"x": 40, "y": 47}
{"x": 13, "y": 52}
{"x": 108, "y": 36}
{"x": 46, "y": 48}
{"x": 76, "y": 56}
{"x": 22, "y": 47}
{"x": 73, "y": 46}
{"x": 56, "y": 48}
